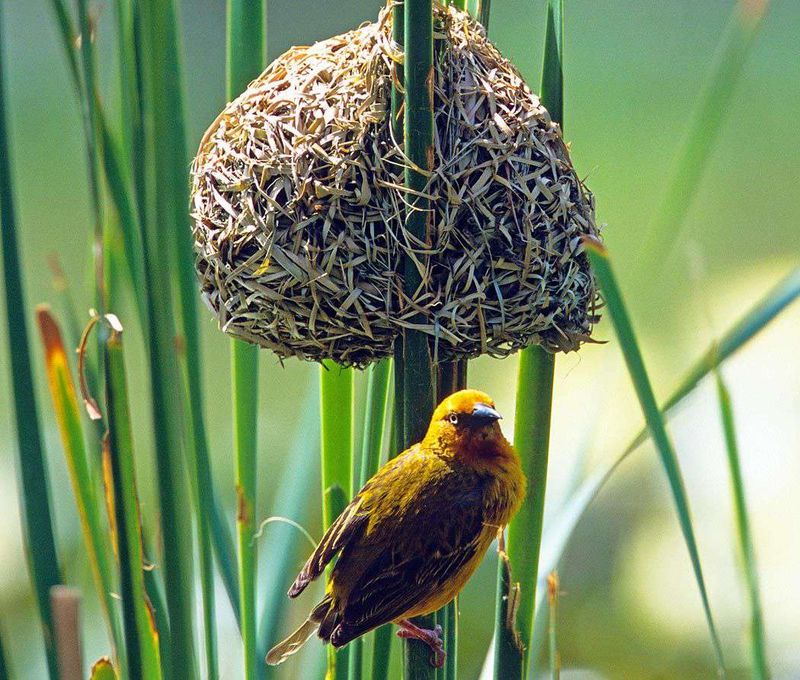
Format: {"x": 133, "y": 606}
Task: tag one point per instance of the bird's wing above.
{"x": 347, "y": 526}
{"x": 419, "y": 555}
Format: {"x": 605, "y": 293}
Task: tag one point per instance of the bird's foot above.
{"x": 432, "y": 638}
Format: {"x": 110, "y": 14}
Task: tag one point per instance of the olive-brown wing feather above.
{"x": 419, "y": 556}
{"x": 349, "y": 525}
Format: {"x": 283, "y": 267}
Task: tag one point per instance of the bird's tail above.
{"x": 280, "y": 652}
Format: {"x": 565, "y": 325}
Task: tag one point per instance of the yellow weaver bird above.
{"x": 412, "y": 537}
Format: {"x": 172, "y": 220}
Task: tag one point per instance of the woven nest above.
{"x": 298, "y": 207}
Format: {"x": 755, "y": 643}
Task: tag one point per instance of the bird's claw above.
{"x": 432, "y": 638}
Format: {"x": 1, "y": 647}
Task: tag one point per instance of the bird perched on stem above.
{"x": 412, "y": 537}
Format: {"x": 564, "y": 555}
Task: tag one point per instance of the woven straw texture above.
{"x": 298, "y": 207}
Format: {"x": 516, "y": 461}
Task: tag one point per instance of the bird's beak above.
{"x": 485, "y": 412}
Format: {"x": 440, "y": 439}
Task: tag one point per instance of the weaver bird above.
{"x": 412, "y": 537}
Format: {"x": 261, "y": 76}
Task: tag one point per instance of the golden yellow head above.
{"x": 466, "y": 423}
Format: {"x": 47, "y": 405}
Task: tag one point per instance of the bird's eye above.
{"x": 453, "y": 418}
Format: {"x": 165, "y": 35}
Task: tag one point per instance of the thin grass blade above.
{"x": 37, "y": 525}
{"x": 90, "y": 131}
{"x": 451, "y": 377}
{"x": 758, "y": 656}
{"x": 552, "y": 603}
{"x": 68, "y": 416}
{"x": 655, "y": 423}
{"x": 143, "y": 655}
{"x": 703, "y": 129}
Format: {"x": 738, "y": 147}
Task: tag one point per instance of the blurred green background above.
{"x": 634, "y": 72}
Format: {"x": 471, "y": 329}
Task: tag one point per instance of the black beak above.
{"x": 485, "y": 413}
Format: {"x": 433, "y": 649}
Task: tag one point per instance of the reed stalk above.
{"x": 103, "y": 669}
{"x": 758, "y": 655}
{"x": 415, "y": 388}
{"x": 141, "y": 635}
{"x": 451, "y": 377}
{"x": 246, "y": 44}
{"x": 336, "y": 418}
{"x": 165, "y": 217}
{"x": 371, "y": 447}
{"x": 655, "y": 423}
{"x": 516, "y": 604}
{"x": 65, "y": 601}
{"x": 37, "y": 525}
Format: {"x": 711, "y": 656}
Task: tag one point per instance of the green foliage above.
{"x": 415, "y": 391}
{"x": 141, "y": 636}
{"x": 37, "y": 525}
{"x": 336, "y": 421}
{"x": 703, "y": 129}
{"x": 67, "y": 412}
{"x": 655, "y": 422}
{"x": 517, "y": 577}
{"x": 747, "y": 553}
{"x": 246, "y": 45}
{"x": 164, "y": 218}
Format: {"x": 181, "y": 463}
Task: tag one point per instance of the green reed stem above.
{"x": 143, "y": 656}
{"x": 336, "y": 417}
{"x": 655, "y": 422}
{"x": 165, "y": 217}
{"x": 246, "y": 44}
{"x": 416, "y": 389}
{"x": 758, "y": 654}
{"x": 371, "y": 446}
{"x": 531, "y": 435}
{"x": 37, "y": 526}
{"x": 451, "y": 377}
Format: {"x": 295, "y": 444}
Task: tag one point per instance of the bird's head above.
{"x": 467, "y": 422}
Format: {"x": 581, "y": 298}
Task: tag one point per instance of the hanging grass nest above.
{"x": 298, "y": 207}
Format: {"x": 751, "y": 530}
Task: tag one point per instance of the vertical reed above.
{"x": 336, "y": 417}
{"x": 37, "y": 526}
{"x": 416, "y": 393}
{"x": 246, "y": 41}
{"x": 516, "y": 608}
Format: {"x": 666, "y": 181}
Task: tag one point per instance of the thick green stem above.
{"x": 371, "y": 447}
{"x": 165, "y": 217}
{"x": 416, "y": 393}
{"x": 532, "y": 440}
{"x": 142, "y": 652}
{"x": 336, "y": 402}
{"x": 516, "y": 605}
{"x": 452, "y": 377}
{"x": 37, "y": 527}
{"x": 245, "y": 60}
